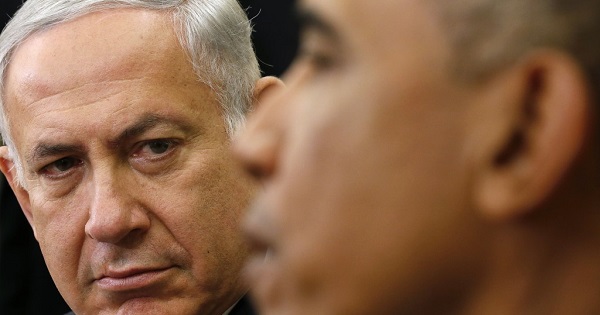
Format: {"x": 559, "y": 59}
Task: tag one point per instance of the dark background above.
{"x": 25, "y": 285}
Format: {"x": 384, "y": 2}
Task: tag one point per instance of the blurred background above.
{"x": 25, "y": 285}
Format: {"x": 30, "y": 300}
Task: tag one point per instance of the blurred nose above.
{"x": 259, "y": 145}
{"x": 114, "y": 214}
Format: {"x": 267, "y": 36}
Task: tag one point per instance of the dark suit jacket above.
{"x": 243, "y": 307}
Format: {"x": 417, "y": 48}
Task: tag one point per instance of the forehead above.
{"x": 122, "y": 43}
{"x": 112, "y": 66}
{"x": 379, "y": 21}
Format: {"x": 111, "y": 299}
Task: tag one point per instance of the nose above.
{"x": 258, "y": 146}
{"x": 114, "y": 215}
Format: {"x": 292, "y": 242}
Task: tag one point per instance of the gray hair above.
{"x": 216, "y": 35}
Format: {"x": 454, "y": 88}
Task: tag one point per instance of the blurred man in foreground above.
{"x": 117, "y": 118}
{"x": 431, "y": 157}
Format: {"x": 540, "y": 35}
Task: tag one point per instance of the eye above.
{"x": 154, "y": 156}
{"x": 319, "y": 60}
{"x": 159, "y": 147}
{"x": 317, "y": 51}
{"x": 61, "y": 168}
{"x": 154, "y": 149}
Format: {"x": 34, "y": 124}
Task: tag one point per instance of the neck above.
{"x": 546, "y": 265}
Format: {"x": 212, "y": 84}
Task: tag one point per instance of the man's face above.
{"x": 364, "y": 163}
{"x": 130, "y": 188}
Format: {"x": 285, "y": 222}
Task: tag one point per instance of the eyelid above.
{"x": 320, "y": 59}
{"x": 318, "y": 50}
{"x": 140, "y": 145}
{"x": 321, "y": 50}
{"x": 43, "y": 171}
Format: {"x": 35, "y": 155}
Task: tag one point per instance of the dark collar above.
{"x": 243, "y": 307}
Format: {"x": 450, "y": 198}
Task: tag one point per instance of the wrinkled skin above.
{"x": 129, "y": 183}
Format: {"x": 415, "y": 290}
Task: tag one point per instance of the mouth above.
{"x": 262, "y": 266}
{"x": 132, "y": 279}
{"x": 264, "y": 276}
{"x": 258, "y": 269}
{"x": 259, "y": 230}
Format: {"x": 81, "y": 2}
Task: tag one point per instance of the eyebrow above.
{"x": 45, "y": 150}
{"x": 144, "y": 124}
{"x": 308, "y": 19}
{"x": 139, "y": 127}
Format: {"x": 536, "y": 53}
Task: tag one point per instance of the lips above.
{"x": 264, "y": 275}
{"x": 132, "y": 278}
{"x": 259, "y": 230}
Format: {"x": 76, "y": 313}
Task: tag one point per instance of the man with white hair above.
{"x": 117, "y": 118}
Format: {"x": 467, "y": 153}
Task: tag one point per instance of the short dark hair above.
{"x": 488, "y": 35}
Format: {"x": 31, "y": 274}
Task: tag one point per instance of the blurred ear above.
{"x": 540, "y": 135}
{"x": 8, "y": 169}
{"x": 264, "y": 88}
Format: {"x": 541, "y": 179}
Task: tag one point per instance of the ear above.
{"x": 265, "y": 87}
{"x": 543, "y": 131}
{"x": 8, "y": 169}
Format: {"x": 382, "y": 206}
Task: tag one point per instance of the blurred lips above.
{"x": 261, "y": 273}
{"x": 257, "y": 261}
{"x": 261, "y": 249}
{"x": 261, "y": 268}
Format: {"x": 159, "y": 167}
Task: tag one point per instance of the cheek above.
{"x": 203, "y": 206}
{"x": 364, "y": 194}
{"x": 60, "y": 232}
{"x": 213, "y": 197}
{"x": 58, "y": 222}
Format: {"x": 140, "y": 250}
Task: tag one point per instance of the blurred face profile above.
{"x": 128, "y": 180}
{"x": 363, "y": 160}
